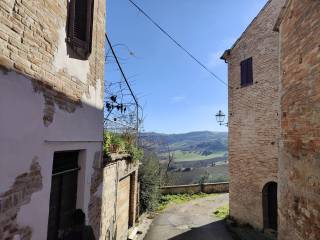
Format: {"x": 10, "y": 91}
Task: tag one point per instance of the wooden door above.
{"x": 63, "y": 195}
{"x": 123, "y": 208}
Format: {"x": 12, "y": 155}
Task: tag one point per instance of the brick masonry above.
{"x": 254, "y": 116}
{"x": 29, "y": 44}
{"x": 33, "y": 52}
{"x": 299, "y": 187}
{"x": 12, "y": 200}
{"x": 119, "y": 197}
{"x": 95, "y": 204}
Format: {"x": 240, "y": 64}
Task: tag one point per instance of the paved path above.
{"x": 191, "y": 221}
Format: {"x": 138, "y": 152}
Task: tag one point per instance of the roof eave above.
{"x": 225, "y": 56}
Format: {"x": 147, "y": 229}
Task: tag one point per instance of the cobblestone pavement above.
{"x": 193, "y": 220}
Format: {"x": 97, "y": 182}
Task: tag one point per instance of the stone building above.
{"x": 51, "y": 119}
{"x": 254, "y": 121}
{"x": 299, "y": 168}
{"x": 274, "y": 121}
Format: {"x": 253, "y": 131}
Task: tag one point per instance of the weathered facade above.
{"x": 254, "y": 120}
{"x": 274, "y": 121}
{"x": 51, "y": 118}
{"x": 119, "y": 197}
{"x": 299, "y": 168}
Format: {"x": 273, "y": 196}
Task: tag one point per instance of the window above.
{"x": 79, "y": 27}
{"x": 246, "y": 72}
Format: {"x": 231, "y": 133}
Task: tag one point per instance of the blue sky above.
{"x": 176, "y": 93}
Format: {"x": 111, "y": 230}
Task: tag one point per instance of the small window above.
{"x": 246, "y": 72}
{"x": 79, "y": 27}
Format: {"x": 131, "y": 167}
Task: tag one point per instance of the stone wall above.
{"x": 299, "y": 168}
{"x": 196, "y": 188}
{"x": 254, "y": 121}
{"x": 118, "y": 201}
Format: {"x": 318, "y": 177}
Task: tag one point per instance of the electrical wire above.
{"x": 183, "y": 48}
{"x": 178, "y": 44}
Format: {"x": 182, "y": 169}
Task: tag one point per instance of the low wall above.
{"x": 197, "y": 188}
{"x": 119, "y": 197}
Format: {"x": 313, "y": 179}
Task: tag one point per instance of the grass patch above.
{"x": 165, "y": 200}
{"x": 222, "y": 212}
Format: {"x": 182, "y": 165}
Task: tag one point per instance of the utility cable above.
{"x": 178, "y": 44}
{"x": 125, "y": 79}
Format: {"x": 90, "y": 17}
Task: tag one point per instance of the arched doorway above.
{"x": 270, "y": 206}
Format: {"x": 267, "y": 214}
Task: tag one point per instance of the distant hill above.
{"x": 191, "y": 146}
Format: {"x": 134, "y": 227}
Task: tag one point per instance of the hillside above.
{"x": 191, "y": 146}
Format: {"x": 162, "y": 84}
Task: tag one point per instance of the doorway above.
{"x": 63, "y": 195}
{"x": 270, "y": 206}
{"x": 123, "y": 205}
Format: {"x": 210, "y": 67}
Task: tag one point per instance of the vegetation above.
{"x": 165, "y": 200}
{"x": 213, "y": 174}
{"x": 149, "y": 178}
{"x": 121, "y": 143}
{"x": 222, "y": 212}
{"x": 194, "y": 156}
{"x": 188, "y": 146}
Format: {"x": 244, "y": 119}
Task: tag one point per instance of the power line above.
{"x": 126, "y": 81}
{"x": 122, "y": 73}
{"x": 178, "y": 44}
{"x": 184, "y": 49}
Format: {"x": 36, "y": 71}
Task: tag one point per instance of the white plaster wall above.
{"x": 75, "y": 67}
{"x": 23, "y": 137}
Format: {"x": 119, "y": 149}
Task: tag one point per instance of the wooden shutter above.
{"x": 246, "y": 72}
{"x": 249, "y": 71}
{"x": 243, "y": 72}
{"x": 80, "y": 21}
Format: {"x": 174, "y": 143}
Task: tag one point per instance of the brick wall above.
{"x": 299, "y": 188}
{"x": 95, "y": 204}
{"x": 12, "y": 200}
{"x": 32, "y": 43}
{"x": 118, "y": 198}
{"x": 254, "y": 123}
{"x": 48, "y": 95}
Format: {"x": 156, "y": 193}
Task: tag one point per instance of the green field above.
{"x": 213, "y": 174}
{"x": 181, "y": 156}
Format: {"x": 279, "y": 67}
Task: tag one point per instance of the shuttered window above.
{"x": 246, "y": 72}
{"x": 80, "y": 20}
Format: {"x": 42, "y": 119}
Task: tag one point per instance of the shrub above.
{"x": 222, "y": 212}
{"x": 121, "y": 143}
{"x": 149, "y": 178}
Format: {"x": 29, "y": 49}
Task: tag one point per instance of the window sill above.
{"x": 246, "y": 85}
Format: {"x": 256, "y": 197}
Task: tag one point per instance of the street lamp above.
{"x": 220, "y": 116}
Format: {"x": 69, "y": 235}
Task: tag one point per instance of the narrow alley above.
{"x": 191, "y": 220}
